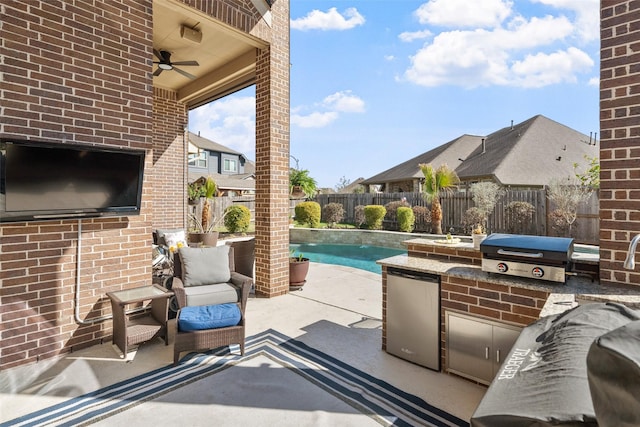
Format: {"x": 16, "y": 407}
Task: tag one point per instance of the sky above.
{"x": 377, "y": 82}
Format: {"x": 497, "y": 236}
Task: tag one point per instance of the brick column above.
{"x": 619, "y": 138}
{"x": 272, "y": 158}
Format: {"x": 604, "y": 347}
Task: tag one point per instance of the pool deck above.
{"x": 338, "y": 311}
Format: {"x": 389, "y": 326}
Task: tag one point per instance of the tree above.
{"x": 342, "y": 184}
{"x": 485, "y": 196}
{"x": 435, "y": 182}
{"x": 567, "y": 195}
{"x": 591, "y": 176}
{"x": 300, "y": 178}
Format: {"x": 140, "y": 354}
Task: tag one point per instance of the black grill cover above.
{"x": 544, "y": 382}
{"x": 554, "y": 249}
{"x": 613, "y": 365}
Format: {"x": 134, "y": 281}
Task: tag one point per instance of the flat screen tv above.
{"x": 41, "y": 181}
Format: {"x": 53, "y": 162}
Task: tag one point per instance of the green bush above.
{"x": 237, "y": 218}
{"x": 392, "y": 209}
{"x": 406, "y": 220}
{"x": 332, "y": 213}
{"x": 308, "y": 213}
{"x": 374, "y": 214}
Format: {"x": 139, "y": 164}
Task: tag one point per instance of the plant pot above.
{"x": 477, "y": 239}
{"x": 298, "y": 270}
{"x": 203, "y": 239}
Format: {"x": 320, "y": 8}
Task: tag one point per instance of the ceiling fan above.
{"x": 165, "y": 64}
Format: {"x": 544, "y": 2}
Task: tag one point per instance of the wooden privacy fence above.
{"x": 454, "y": 205}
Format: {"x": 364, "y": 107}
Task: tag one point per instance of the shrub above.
{"x": 471, "y": 218}
{"x": 308, "y": 213}
{"x": 518, "y": 215}
{"x": 392, "y": 208}
{"x": 237, "y": 218}
{"x": 422, "y": 217}
{"x": 374, "y": 214}
{"x": 558, "y": 223}
{"x": 332, "y": 213}
{"x": 406, "y": 220}
{"x": 358, "y": 214}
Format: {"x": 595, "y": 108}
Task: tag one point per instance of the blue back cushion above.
{"x": 197, "y": 318}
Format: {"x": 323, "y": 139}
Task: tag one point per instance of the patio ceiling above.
{"x": 226, "y": 56}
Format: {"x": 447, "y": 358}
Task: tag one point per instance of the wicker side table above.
{"x": 131, "y": 330}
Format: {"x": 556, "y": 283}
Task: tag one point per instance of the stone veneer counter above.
{"x": 462, "y": 261}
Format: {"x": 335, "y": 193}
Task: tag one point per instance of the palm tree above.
{"x": 435, "y": 182}
{"x": 209, "y": 188}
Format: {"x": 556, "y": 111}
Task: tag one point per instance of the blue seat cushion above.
{"x": 198, "y": 318}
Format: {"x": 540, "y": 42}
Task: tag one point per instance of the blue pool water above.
{"x": 363, "y": 257}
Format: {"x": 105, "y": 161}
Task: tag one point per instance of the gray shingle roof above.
{"x": 530, "y": 153}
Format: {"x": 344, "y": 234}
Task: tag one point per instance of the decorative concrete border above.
{"x": 386, "y": 239}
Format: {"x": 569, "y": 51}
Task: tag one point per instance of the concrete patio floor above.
{"x": 338, "y": 311}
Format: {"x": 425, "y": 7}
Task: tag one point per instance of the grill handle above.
{"x": 522, "y": 254}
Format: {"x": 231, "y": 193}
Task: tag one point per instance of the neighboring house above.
{"x": 529, "y": 154}
{"x": 233, "y": 173}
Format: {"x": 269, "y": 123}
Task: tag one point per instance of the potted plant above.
{"x": 202, "y": 230}
{"x": 477, "y": 235}
{"x": 195, "y": 191}
{"x": 298, "y": 269}
{"x": 301, "y": 184}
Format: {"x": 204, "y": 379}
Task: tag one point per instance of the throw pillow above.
{"x": 175, "y": 240}
{"x": 205, "y": 266}
{"x": 160, "y": 232}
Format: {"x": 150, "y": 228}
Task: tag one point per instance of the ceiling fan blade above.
{"x": 193, "y": 63}
{"x": 157, "y": 72}
{"x": 184, "y": 73}
{"x": 157, "y": 54}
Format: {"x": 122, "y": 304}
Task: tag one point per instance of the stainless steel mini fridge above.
{"x": 413, "y": 316}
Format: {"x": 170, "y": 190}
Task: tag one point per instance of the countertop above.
{"x": 576, "y": 290}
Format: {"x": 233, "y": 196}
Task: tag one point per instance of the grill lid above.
{"x": 552, "y": 248}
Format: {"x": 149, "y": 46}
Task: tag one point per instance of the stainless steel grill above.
{"x": 538, "y": 257}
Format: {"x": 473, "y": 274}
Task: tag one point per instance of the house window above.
{"x": 230, "y": 165}
{"x": 198, "y": 160}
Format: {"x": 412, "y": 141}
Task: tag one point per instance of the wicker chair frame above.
{"x": 212, "y": 338}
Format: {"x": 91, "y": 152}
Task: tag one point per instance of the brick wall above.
{"x": 619, "y": 138}
{"x": 272, "y": 158}
{"x": 169, "y": 160}
{"x": 65, "y": 69}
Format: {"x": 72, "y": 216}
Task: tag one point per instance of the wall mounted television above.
{"x": 43, "y": 181}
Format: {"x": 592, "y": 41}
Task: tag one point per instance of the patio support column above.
{"x": 272, "y": 158}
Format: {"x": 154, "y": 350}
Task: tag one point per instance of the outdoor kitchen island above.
{"x": 480, "y": 301}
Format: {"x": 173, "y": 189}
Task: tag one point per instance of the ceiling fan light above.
{"x": 165, "y": 66}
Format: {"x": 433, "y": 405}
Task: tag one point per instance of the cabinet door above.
{"x": 503, "y": 340}
{"x": 469, "y": 348}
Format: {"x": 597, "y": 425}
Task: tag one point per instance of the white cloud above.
{"x": 329, "y": 20}
{"x": 514, "y": 53}
{"x": 334, "y": 105}
{"x": 587, "y": 16}
{"x": 594, "y": 81}
{"x": 389, "y": 57}
{"x": 409, "y": 36}
{"x": 464, "y": 13}
{"x": 545, "y": 69}
{"x": 314, "y": 120}
{"x": 344, "y": 102}
{"x": 228, "y": 121}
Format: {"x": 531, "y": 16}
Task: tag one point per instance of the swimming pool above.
{"x": 363, "y": 257}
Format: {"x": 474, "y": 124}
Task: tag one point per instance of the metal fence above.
{"x": 454, "y": 205}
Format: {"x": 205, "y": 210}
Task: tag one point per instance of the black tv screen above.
{"x": 40, "y": 181}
